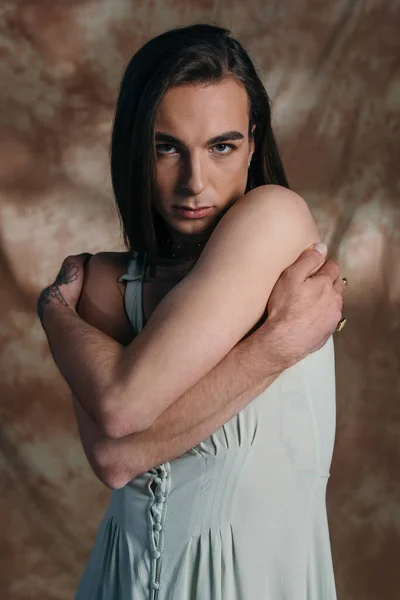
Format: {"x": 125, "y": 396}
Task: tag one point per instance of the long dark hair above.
{"x": 199, "y": 53}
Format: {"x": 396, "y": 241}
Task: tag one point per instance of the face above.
{"x": 203, "y": 150}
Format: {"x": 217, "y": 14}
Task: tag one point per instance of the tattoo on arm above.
{"x": 68, "y": 273}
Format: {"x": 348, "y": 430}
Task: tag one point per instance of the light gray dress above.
{"x": 241, "y": 516}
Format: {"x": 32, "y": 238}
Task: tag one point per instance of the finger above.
{"x": 330, "y": 268}
{"x": 339, "y": 285}
{"x": 308, "y": 263}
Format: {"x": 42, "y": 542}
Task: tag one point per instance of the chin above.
{"x": 190, "y": 227}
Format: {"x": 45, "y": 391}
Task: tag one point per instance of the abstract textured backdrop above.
{"x": 332, "y": 70}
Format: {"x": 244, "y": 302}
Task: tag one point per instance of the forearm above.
{"x": 248, "y": 369}
{"x": 239, "y": 378}
{"x": 86, "y": 357}
{"x": 89, "y": 360}
{"x": 92, "y": 438}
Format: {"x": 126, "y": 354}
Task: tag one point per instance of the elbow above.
{"x": 111, "y": 479}
{"x": 117, "y": 426}
{"x": 107, "y": 467}
{"x": 119, "y": 419}
{"x": 114, "y": 480}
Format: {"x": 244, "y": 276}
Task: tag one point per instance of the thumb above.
{"x": 311, "y": 260}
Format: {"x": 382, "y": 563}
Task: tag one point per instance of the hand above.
{"x": 67, "y": 287}
{"x": 307, "y": 303}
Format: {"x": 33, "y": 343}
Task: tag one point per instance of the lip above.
{"x": 190, "y": 213}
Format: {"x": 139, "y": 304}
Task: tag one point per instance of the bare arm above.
{"x": 248, "y": 369}
{"x": 118, "y": 386}
{"x": 304, "y": 312}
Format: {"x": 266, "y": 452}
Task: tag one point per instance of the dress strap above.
{"x": 136, "y": 270}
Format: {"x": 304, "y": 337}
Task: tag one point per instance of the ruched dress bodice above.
{"x": 242, "y": 515}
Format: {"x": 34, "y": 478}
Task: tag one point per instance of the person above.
{"x": 201, "y": 360}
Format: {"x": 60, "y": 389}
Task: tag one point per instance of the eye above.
{"x": 163, "y": 148}
{"x": 230, "y": 148}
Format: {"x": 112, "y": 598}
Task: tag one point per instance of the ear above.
{"x": 252, "y": 145}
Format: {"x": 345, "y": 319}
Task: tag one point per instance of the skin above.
{"x": 68, "y": 274}
{"x": 196, "y": 173}
{"x": 192, "y": 171}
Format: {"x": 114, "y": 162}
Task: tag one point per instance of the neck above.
{"x": 181, "y": 251}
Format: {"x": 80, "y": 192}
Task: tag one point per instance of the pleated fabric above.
{"x": 241, "y": 516}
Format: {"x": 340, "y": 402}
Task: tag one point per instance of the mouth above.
{"x": 192, "y": 213}
{"x": 192, "y": 208}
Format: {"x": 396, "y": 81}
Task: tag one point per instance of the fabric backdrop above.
{"x": 332, "y": 69}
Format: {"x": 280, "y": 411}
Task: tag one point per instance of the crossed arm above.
{"x": 118, "y": 387}
{"x": 243, "y": 374}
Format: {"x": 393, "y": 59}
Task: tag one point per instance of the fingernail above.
{"x": 321, "y": 248}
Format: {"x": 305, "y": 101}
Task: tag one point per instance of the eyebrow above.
{"x": 218, "y": 139}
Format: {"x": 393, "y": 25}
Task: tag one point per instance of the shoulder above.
{"x": 266, "y": 229}
{"x": 274, "y": 201}
{"x": 282, "y": 221}
{"x": 109, "y": 262}
{"x": 268, "y": 219}
{"x": 102, "y": 299}
{"x": 104, "y": 269}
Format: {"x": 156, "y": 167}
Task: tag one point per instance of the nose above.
{"x": 194, "y": 176}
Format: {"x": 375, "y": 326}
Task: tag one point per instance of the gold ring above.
{"x": 344, "y": 279}
{"x": 341, "y": 324}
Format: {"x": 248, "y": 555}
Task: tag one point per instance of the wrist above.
{"x": 273, "y": 338}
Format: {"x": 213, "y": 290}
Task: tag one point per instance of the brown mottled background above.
{"x": 332, "y": 69}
